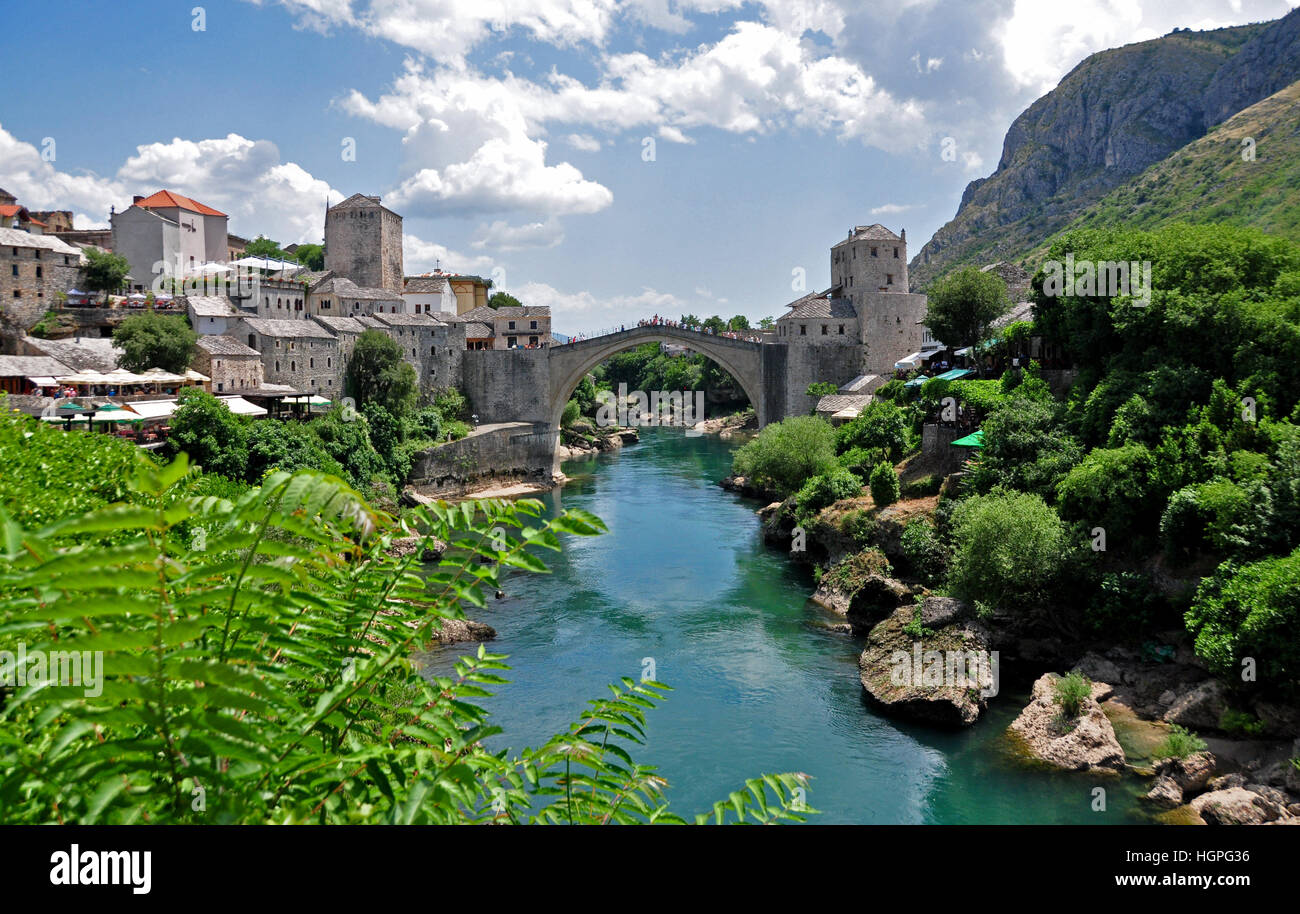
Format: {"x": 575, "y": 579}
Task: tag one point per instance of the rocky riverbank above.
{"x": 936, "y": 660}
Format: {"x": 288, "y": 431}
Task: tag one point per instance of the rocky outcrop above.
{"x": 1083, "y": 743}
{"x": 1200, "y": 708}
{"x": 454, "y": 631}
{"x": 1178, "y": 779}
{"x": 1118, "y": 112}
{"x": 1235, "y": 806}
{"x": 945, "y": 676}
{"x": 407, "y": 545}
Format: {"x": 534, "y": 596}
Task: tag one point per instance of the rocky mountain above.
{"x": 1116, "y": 114}
{"x": 1245, "y": 171}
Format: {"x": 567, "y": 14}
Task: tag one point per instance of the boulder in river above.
{"x": 943, "y": 675}
{"x": 454, "y": 631}
{"x": 1084, "y": 743}
{"x": 1235, "y": 806}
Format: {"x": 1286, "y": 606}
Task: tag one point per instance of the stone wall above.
{"x": 36, "y": 294}
{"x": 506, "y": 452}
{"x": 363, "y": 242}
{"x": 936, "y": 444}
{"x": 808, "y": 363}
{"x": 507, "y": 385}
{"x": 890, "y": 328}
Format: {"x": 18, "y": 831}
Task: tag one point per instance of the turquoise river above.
{"x": 760, "y": 682}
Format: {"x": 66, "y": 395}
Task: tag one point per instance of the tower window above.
{"x": 895, "y": 253}
{"x": 874, "y": 252}
{"x": 889, "y": 279}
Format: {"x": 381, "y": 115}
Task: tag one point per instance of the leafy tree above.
{"x": 879, "y": 425}
{"x": 819, "y": 389}
{"x": 153, "y": 340}
{"x": 1251, "y": 611}
{"x": 1025, "y": 448}
{"x": 1117, "y": 490}
{"x": 826, "y": 489}
{"x": 261, "y": 246}
{"x": 104, "y": 271}
{"x": 786, "y": 454}
{"x": 287, "y": 446}
{"x": 378, "y": 374}
{"x": 690, "y": 322}
{"x": 204, "y": 428}
{"x": 1008, "y": 549}
{"x": 312, "y": 256}
{"x": 767, "y": 323}
{"x": 503, "y": 300}
{"x": 346, "y": 438}
{"x": 715, "y": 324}
{"x": 739, "y": 322}
{"x": 964, "y": 303}
{"x": 884, "y": 485}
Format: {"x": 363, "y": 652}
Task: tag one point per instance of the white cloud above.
{"x": 673, "y": 135}
{"x": 501, "y": 236}
{"x": 890, "y": 209}
{"x": 420, "y": 256}
{"x": 583, "y": 312}
{"x": 243, "y": 178}
{"x": 447, "y": 29}
{"x": 38, "y": 184}
{"x": 1039, "y": 45}
{"x": 583, "y": 142}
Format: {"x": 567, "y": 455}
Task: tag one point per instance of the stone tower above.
{"x": 363, "y": 243}
{"x": 869, "y": 268}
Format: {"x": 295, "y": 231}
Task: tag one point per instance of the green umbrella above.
{"x": 974, "y": 439}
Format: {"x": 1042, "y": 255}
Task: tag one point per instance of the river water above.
{"x": 760, "y": 684}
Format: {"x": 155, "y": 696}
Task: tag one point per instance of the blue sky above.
{"x": 512, "y": 135}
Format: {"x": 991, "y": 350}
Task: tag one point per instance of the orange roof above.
{"x": 11, "y": 209}
{"x": 167, "y": 198}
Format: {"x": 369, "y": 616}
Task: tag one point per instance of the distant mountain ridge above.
{"x": 1116, "y": 114}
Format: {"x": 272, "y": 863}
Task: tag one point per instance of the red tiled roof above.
{"x": 11, "y": 209}
{"x": 167, "y": 198}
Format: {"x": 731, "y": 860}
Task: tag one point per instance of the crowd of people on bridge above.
{"x": 657, "y": 321}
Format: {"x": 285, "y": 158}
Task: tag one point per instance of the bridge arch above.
{"x": 571, "y": 362}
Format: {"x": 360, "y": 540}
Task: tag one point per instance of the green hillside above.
{"x": 1209, "y": 181}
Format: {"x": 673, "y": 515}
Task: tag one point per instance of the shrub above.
{"x": 571, "y": 412}
{"x": 884, "y": 485}
{"x": 850, "y": 574}
{"x": 826, "y": 489}
{"x": 785, "y": 455}
{"x": 925, "y": 553}
{"x": 1025, "y": 448}
{"x": 1008, "y": 549}
{"x": 923, "y": 487}
{"x": 861, "y": 461}
{"x": 1115, "y": 489}
{"x": 1251, "y": 611}
{"x": 1070, "y": 692}
{"x": 880, "y": 425}
{"x": 214, "y": 438}
{"x": 1180, "y": 743}
{"x": 1207, "y": 516}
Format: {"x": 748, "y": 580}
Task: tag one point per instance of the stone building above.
{"x": 363, "y": 243}
{"x": 231, "y": 365}
{"x": 211, "y": 315}
{"x": 299, "y": 353}
{"x": 34, "y": 270}
{"x": 434, "y": 347}
{"x": 429, "y": 293}
{"x": 282, "y": 296}
{"x": 512, "y": 327}
{"x": 342, "y": 297}
{"x": 869, "y": 268}
{"x": 470, "y": 291}
{"x": 169, "y": 228}
{"x": 55, "y": 220}
{"x": 14, "y": 216}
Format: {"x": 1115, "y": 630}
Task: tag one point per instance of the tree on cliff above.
{"x": 153, "y": 340}
{"x": 503, "y": 300}
{"x": 311, "y": 256}
{"x": 104, "y": 272}
{"x": 963, "y": 304}
{"x": 378, "y": 374}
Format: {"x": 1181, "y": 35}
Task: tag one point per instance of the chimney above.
{"x": 903, "y": 235}
{"x": 136, "y": 199}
